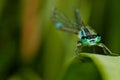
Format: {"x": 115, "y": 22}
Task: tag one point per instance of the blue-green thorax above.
{"x": 88, "y": 37}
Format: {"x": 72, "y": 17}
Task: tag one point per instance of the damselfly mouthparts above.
{"x": 87, "y": 36}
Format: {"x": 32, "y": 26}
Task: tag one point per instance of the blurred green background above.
{"x": 30, "y": 46}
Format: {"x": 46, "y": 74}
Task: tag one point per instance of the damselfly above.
{"x": 87, "y": 36}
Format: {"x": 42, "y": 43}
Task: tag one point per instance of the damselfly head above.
{"x": 90, "y": 40}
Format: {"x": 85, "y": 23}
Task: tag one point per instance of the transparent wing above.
{"x": 79, "y": 21}
{"x": 62, "y": 22}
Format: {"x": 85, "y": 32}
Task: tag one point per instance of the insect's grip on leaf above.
{"x": 87, "y": 36}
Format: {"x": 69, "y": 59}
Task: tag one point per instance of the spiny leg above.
{"x": 105, "y": 49}
{"x": 78, "y": 48}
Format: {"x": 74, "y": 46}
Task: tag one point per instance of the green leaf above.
{"x": 93, "y": 67}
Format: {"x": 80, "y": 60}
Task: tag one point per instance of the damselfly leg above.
{"x": 106, "y": 50}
